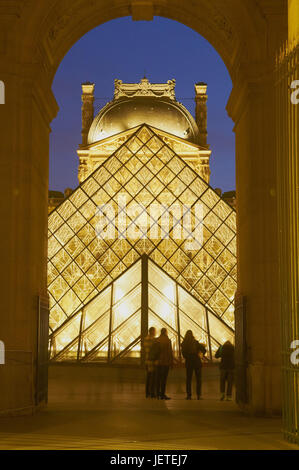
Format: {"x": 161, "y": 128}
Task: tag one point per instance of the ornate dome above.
{"x": 135, "y": 104}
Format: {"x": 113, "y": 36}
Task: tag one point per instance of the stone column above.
{"x": 87, "y": 109}
{"x": 288, "y": 217}
{"x": 201, "y": 112}
{"x": 293, "y": 21}
{"x": 252, "y": 108}
{"x": 24, "y": 168}
{"x": 203, "y": 168}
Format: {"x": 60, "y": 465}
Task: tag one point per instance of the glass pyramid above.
{"x": 144, "y": 199}
{"x": 111, "y": 327}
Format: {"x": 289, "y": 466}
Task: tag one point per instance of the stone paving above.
{"x": 111, "y": 419}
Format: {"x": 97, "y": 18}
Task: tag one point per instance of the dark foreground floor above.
{"x": 119, "y": 417}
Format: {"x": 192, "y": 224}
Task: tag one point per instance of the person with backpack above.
{"x": 227, "y": 365}
{"x": 192, "y": 352}
{"x": 150, "y": 349}
{"x": 165, "y": 361}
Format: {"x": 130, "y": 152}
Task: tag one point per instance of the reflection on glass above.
{"x": 69, "y": 354}
{"x": 125, "y": 334}
{"x": 68, "y": 333}
{"x": 218, "y": 330}
{"x": 130, "y": 354}
{"x": 192, "y": 308}
{"x": 200, "y": 334}
{"x": 126, "y": 307}
{"x": 162, "y": 282}
{"x": 95, "y": 334}
{"x": 101, "y": 353}
{"x": 97, "y": 307}
{"x": 126, "y": 282}
{"x": 162, "y": 307}
{"x": 100, "y": 325}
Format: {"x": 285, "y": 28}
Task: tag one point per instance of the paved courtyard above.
{"x": 119, "y": 417}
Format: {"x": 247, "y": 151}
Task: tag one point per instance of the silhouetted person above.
{"x": 164, "y": 362}
{"x": 191, "y": 350}
{"x": 227, "y": 365}
{"x": 150, "y": 363}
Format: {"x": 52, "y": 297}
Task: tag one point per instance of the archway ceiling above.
{"x": 235, "y": 28}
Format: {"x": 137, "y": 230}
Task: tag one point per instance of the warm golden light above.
{"x": 145, "y": 173}
{"x": 115, "y": 334}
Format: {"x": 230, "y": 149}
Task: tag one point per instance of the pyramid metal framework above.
{"x": 144, "y": 199}
{"x": 111, "y": 327}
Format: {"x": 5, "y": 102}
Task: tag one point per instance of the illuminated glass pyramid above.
{"x": 110, "y": 327}
{"x": 144, "y": 199}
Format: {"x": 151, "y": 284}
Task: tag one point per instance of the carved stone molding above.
{"x": 223, "y": 24}
{"x": 144, "y": 88}
{"x": 60, "y": 25}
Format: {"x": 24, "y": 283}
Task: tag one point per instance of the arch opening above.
{"x": 156, "y": 105}
{"x": 244, "y": 36}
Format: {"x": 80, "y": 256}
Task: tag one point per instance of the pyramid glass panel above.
{"x": 127, "y": 306}
{"x": 95, "y": 334}
{"x": 156, "y": 321}
{"x": 109, "y": 327}
{"x": 98, "y": 354}
{"x": 162, "y": 282}
{"x": 187, "y": 324}
{"x": 143, "y": 200}
{"x": 125, "y": 335}
{"x": 163, "y": 307}
{"x": 130, "y": 354}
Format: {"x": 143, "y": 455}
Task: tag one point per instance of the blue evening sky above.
{"x": 123, "y": 49}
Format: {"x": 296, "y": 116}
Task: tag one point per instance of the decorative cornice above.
{"x": 144, "y": 88}
{"x": 224, "y": 25}
{"x": 60, "y": 24}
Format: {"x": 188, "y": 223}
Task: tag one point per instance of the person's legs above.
{"x": 153, "y": 383}
{"x": 164, "y": 376}
{"x": 222, "y": 383}
{"x": 147, "y": 383}
{"x": 189, "y": 373}
{"x": 230, "y": 380}
{"x": 158, "y": 381}
{"x": 198, "y": 381}
{"x": 163, "y": 381}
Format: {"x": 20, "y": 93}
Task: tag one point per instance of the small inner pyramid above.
{"x": 109, "y": 328}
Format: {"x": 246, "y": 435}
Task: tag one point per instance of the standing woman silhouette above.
{"x": 191, "y": 350}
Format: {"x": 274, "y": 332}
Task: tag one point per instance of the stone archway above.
{"x": 36, "y": 36}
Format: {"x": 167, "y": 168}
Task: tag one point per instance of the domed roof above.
{"x": 156, "y": 107}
